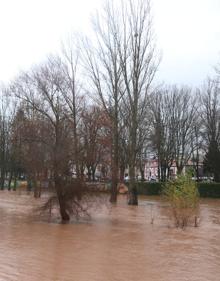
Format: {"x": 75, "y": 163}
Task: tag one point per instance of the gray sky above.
{"x": 187, "y": 31}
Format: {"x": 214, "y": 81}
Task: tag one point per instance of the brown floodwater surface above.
{"x": 118, "y": 243}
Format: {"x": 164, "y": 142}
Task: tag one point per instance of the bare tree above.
{"x": 71, "y": 92}
{"x": 39, "y": 90}
{"x": 128, "y": 60}
{"x": 7, "y": 163}
{"x": 139, "y": 63}
{"x": 31, "y": 138}
{"x": 175, "y": 115}
{"x": 104, "y": 70}
{"x": 185, "y": 118}
{"x": 162, "y": 132}
{"x": 95, "y": 138}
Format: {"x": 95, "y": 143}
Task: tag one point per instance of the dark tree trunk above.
{"x": 159, "y": 170}
{"x": 61, "y": 199}
{"x": 113, "y": 197}
{"x": 133, "y": 194}
{"x": 115, "y": 153}
{"x": 142, "y": 173}
{"x": 9, "y": 181}
{"x": 122, "y": 173}
{"x": 37, "y": 189}
{"x": 179, "y": 170}
{"x": 15, "y": 183}
{"x": 64, "y": 215}
{"x": 3, "y": 179}
{"x": 93, "y": 174}
{"x": 114, "y": 185}
{"x": 89, "y": 173}
{"x": 163, "y": 172}
{"x": 82, "y": 172}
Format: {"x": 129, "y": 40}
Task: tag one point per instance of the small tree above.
{"x": 182, "y": 195}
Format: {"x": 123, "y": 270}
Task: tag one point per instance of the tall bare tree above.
{"x": 139, "y": 63}
{"x": 104, "y": 69}
{"x": 125, "y": 68}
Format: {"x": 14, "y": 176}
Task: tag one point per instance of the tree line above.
{"x": 97, "y": 103}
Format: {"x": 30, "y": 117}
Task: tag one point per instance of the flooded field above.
{"x": 118, "y": 243}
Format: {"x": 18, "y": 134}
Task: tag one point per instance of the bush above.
{"x": 183, "y": 197}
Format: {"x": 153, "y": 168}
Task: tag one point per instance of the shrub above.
{"x": 183, "y": 197}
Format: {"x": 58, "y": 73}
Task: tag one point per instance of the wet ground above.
{"x": 118, "y": 243}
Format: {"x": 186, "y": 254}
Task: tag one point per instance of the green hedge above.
{"x": 149, "y": 188}
{"x": 211, "y": 190}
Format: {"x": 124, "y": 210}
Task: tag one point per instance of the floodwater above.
{"x": 118, "y": 243}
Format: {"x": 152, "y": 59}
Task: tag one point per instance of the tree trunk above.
{"x": 114, "y": 186}
{"x": 64, "y": 215}
{"x": 9, "y": 181}
{"x": 159, "y": 170}
{"x": 163, "y": 172}
{"x": 142, "y": 173}
{"x": 15, "y": 183}
{"x": 115, "y": 156}
{"x": 179, "y": 170}
{"x": 122, "y": 173}
{"x": 89, "y": 173}
{"x": 114, "y": 191}
{"x": 61, "y": 199}
{"x": 133, "y": 194}
{"x": 93, "y": 174}
{"x": 37, "y": 189}
{"x": 2, "y": 179}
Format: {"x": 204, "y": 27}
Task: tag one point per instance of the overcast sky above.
{"x": 187, "y": 31}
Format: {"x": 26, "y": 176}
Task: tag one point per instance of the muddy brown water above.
{"x": 118, "y": 243}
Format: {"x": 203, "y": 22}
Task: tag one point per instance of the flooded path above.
{"x": 119, "y": 243}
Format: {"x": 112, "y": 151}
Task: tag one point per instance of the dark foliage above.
{"x": 212, "y": 160}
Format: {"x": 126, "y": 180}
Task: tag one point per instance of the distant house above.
{"x": 151, "y": 168}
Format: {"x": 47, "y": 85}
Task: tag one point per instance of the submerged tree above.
{"x": 139, "y": 64}
{"x": 40, "y": 90}
{"x": 129, "y": 62}
{"x": 102, "y": 61}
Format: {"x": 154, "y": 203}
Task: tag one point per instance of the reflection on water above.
{"x": 119, "y": 243}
